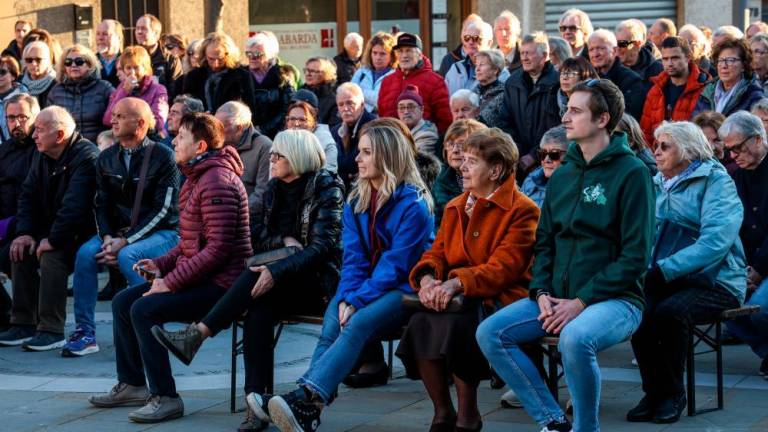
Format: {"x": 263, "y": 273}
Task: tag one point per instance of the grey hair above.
{"x": 495, "y": 58}
{"x": 60, "y": 119}
{"x": 34, "y": 105}
{"x": 698, "y": 36}
{"x": 353, "y": 36}
{"x": 513, "y": 19}
{"x": 728, "y": 30}
{"x": 236, "y": 111}
{"x": 761, "y": 38}
{"x": 538, "y": 38}
{"x": 266, "y": 39}
{"x": 555, "y": 135}
{"x": 483, "y": 27}
{"x": 635, "y": 28}
{"x": 301, "y": 148}
{"x": 353, "y": 89}
{"x": 189, "y": 103}
{"x": 605, "y": 35}
{"x": 761, "y": 105}
{"x": 466, "y": 95}
{"x": 745, "y": 124}
{"x": 688, "y": 138}
{"x": 560, "y": 47}
{"x": 584, "y": 22}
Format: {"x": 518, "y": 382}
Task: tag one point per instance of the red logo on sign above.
{"x": 326, "y": 38}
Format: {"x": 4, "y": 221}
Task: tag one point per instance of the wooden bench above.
{"x": 237, "y": 349}
{"x": 698, "y": 333}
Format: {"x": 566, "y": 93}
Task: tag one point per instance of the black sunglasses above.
{"x": 553, "y": 155}
{"x": 77, "y": 61}
{"x": 3, "y": 72}
{"x": 623, "y": 43}
{"x": 572, "y": 28}
{"x": 738, "y": 148}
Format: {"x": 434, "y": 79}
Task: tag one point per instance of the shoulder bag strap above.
{"x": 141, "y": 185}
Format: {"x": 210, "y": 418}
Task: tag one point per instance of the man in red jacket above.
{"x": 415, "y": 69}
{"x": 187, "y": 281}
{"x": 675, "y": 91}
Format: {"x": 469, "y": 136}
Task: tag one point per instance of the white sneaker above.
{"x": 510, "y": 400}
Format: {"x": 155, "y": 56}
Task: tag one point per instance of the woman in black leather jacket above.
{"x": 302, "y": 208}
{"x": 271, "y": 92}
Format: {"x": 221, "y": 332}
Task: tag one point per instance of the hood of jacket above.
{"x": 226, "y": 157}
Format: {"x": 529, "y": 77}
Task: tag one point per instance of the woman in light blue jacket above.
{"x": 698, "y": 217}
{"x": 378, "y": 62}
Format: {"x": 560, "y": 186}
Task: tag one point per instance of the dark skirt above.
{"x": 445, "y": 336}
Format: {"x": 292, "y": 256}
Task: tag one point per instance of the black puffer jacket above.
{"x": 327, "y": 112}
{"x": 167, "y": 68}
{"x": 345, "y": 67}
{"x": 631, "y": 85}
{"x": 57, "y": 197}
{"x": 273, "y": 97}
{"x": 235, "y": 85}
{"x": 116, "y": 192}
{"x": 449, "y": 59}
{"x": 86, "y": 100}
{"x": 318, "y": 221}
{"x": 15, "y": 160}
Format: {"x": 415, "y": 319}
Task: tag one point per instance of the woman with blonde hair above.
{"x": 387, "y": 224}
{"x": 136, "y": 65}
{"x": 39, "y": 73}
{"x": 219, "y": 79}
{"x": 81, "y": 91}
{"x": 320, "y": 79}
{"x": 378, "y": 62}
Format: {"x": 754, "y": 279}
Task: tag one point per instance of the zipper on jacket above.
{"x": 570, "y": 223}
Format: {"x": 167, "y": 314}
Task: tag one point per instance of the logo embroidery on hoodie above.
{"x": 594, "y": 194}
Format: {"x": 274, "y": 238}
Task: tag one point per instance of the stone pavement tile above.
{"x": 88, "y": 424}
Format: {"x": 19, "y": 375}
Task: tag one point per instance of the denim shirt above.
{"x": 706, "y": 200}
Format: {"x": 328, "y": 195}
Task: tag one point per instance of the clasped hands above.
{"x": 110, "y": 246}
{"x": 436, "y": 294}
{"x": 557, "y": 312}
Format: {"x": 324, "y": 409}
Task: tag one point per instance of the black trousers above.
{"x": 5, "y": 267}
{"x": 661, "y": 342}
{"x": 293, "y": 296}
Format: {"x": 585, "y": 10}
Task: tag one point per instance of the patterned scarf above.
{"x": 669, "y": 182}
{"x": 472, "y": 200}
{"x": 39, "y": 85}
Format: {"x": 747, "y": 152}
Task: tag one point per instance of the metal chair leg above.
{"x": 552, "y": 358}
{"x": 390, "y": 356}
{"x": 719, "y": 353}
{"x": 233, "y": 374}
{"x": 690, "y": 374}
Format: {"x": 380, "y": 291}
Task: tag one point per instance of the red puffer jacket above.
{"x": 432, "y": 89}
{"x": 655, "y": 106}
{"x": 214, "y": 226}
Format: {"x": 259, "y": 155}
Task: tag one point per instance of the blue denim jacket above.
{"x": 404, "y": 226}
{"x": 706, "y": 201}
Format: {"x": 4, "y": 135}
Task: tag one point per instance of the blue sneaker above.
{"x": 81, "y": 342}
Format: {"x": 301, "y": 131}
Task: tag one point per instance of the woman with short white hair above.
{"x": 697, "y": 269}
{"x": 39, "y": 75}
{"x": 488, "y": 67}
{"x": 465, "y": 105}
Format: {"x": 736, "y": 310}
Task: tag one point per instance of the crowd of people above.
{"x": 531, "y": 185}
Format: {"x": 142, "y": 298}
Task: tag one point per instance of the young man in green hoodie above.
{"x": 593, "y": 244}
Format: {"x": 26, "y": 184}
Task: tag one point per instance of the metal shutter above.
{"x": 606, "y": 14}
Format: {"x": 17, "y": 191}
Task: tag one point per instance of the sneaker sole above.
{"x": 282, "y": 416}
{"x": 65, "y": 352}
{"x": 255, "y": 406}
{"x": 16, "y": 342}
{"x": 160, "y": 338}
{"x": 171, "y": 416}
{"x": 55, "y": 345}
{"x": 122, "y": 403}
{"x": 511, "y": 405}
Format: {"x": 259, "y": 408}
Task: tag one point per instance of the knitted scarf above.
{"x": 39, "y": 85}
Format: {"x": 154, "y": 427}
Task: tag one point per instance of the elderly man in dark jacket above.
{"x": 530, "y": 99}
{"x": 351, "y": 103}
{"x": 348, "y": 60}
{"x": 136, "y": 214}
{"x": 55, "y": 216}
{"x": 635, "y": 52}
{"x": 16, "y": 157}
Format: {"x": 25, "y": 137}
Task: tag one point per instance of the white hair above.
{"x": 353, "y": 89}
{"x": 698, "y": 36}
{"x": 634, "y": 28}
{"x": 237, "y": 112}
{"x": 467, "y": 96}
{"x": 495, "y": 58}
{"x": 605, "y": 35}
{"x": 301, "y": 148}
{"x": 266, "y": 39}
{"x": 485, "y": 29}
{"x": 689, "y": 139}
{"x": 353, "y": 37}
{"x": 745, "y": 124}
{"x": 584, "y": 22}
{"x": 59, "y": 119}
{"x": 540, "y": 39}
{"x": 728, "y": 30}
{"x": 513, "y": 19}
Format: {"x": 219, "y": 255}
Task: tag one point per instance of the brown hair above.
{"x": 38, "y": 34}
{"x": 139, "y": 55}
{"x": 460, "y": 128}
{"x": 11, "y": 64}
{"x": 225, "y": 42}
{"x": 711, "y": 119}
{"x": 176, "y": 39}
{"x": 387, "y": 41}
{"x": 606, "y": 98}
{"x": 204, "y": 127}
{"x": 677, "y": 42}
{"x": 581, "y": 65}
{"x": 745, "y": 53}
{"x": 495, "y": 147}
{"x": 21, "y": 21}
{"x": 309, "y": 111}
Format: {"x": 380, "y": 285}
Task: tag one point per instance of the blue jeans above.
{"x": 753, "y": 329}
{"x": 501, "y": 334}
{"x": 338, "y": 349}
{"x": 85, "y": 280}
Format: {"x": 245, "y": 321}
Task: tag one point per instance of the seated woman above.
{"x": 497, "y": 223}
{"x": 387, "y": 225}
{"x": 320, "y": 79}
{"x": 552, "y": 149}
{"x": 710, "y": 122}
{"x": 637, "y": 142}
{"x": 695, "y": 283}
{"x": 303, "y": 115}
{"x": 188, "y": 280}
{"x": 449, "y": 183}
{"x": 300, "y": 283}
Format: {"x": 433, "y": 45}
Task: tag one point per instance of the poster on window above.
{"x": 300, "y": 41}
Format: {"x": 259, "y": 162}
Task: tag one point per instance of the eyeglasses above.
{"x": 570, "y": 28}
{"x": 455, "y": 144}
{"x": 299, "y": 120}
{"x": 665, "y": 146}
{"x": 553, "y": 155}
{"x": 275, "y": 155}
{"x": 472, "y": 38}
{"x": 738, "y": 148}
{"x": 409, "y": 107}
{"x": 311, "y": 71}
{"x": 728, "y": 61}
{"x": 3, "y": 72}
{"x": 570, "y": 74}
{"x": 77, "y": 61}
{"x": 760, "y": 51}
{"x": 21, "y": 118}
{"x": 31, "y": 60}
{"x": 255, "y": 54}
{"x": 623, "y": 43}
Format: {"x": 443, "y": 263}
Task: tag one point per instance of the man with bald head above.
{"x": 54, "y": 217}
{"x": 136, "y": 214}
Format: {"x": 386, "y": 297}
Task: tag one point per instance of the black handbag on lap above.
{"x": 269, "y": 257}
{"x": 674, "y": 237}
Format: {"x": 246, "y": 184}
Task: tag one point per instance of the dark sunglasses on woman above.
{"x": 554, "y": 155}
{"x": 78, "y": 61}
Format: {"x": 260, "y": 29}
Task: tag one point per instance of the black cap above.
{"x": 307, "y": 96}
{"x": 408, "y": 40}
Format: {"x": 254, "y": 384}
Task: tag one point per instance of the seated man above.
{"x": 55, "y": 216}
{"x": 592, "y": 248}
{"x": 136, "y": 214}
{"x": 189, "y": 279}
{"x": 16, "y": 157}
{"x": 410, "y": 110}
{"x": 181, "y": 105}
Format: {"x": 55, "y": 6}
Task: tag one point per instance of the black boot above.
{"x": 182, "y": 343}
{"x": 670, "y": 409}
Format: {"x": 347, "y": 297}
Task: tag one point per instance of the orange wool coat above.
{"x": 492, "y": 252}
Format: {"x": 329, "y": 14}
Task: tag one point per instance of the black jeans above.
{"x": 5, "y": 267}
{"x": 136, "y": 349}
{"x": 288, "y": 297}
{"x": 661, "y": 342}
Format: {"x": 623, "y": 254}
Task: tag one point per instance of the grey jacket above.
{"x": 254, "y": 148}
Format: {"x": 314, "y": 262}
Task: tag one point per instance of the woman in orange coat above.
{"x": 483, "y": 251}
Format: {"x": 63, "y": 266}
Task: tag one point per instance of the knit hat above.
{"x": 411, "y": 92}
{"x": 304, "y": 95}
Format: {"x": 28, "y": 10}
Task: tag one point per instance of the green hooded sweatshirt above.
{"x": 596, "y": 229}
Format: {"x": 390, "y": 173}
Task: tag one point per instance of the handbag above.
{"x": 674, "y": 237}
{"x": 412, "y": 303}
{"x": 269, "y": 257}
